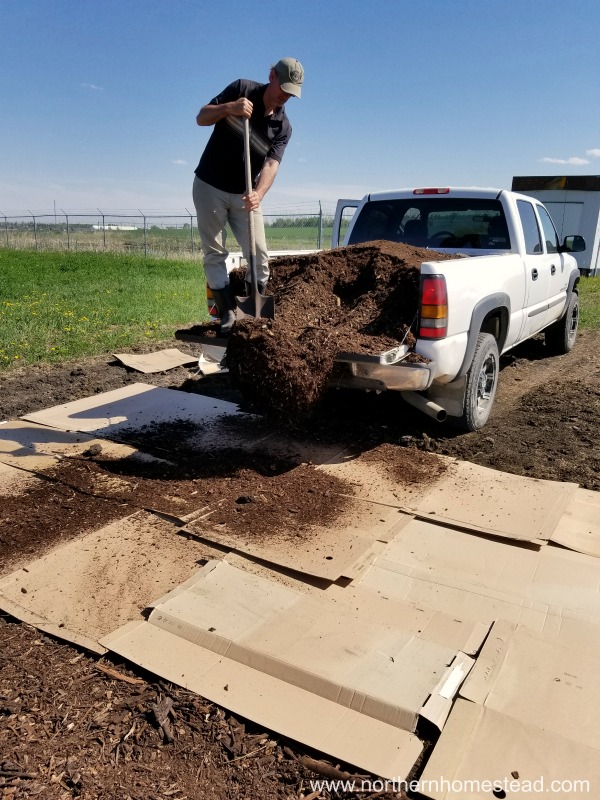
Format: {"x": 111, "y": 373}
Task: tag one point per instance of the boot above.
{"x": 226, "y": 307}
{"x": 261, "y": 288}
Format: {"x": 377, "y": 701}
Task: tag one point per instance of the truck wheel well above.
{"x": 496, "y": 323}
{"x": 491, "y": 315}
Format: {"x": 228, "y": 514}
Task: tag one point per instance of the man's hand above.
{"x": 209, "y": 115}
{"x": 251, "y": 201}
{"x": 241, "y": 108}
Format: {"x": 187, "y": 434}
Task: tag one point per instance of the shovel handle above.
{"x": 252, "y": 240}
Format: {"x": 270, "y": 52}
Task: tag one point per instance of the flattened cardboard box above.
{"x": 225, "y": 624}
{"x": 579, "y": 526}
{"x": 325, "y": 552}
{"x": 98, "y": 581}
{"x": 526, "y": 720}
{"x": 132, "y": 408}
{"x": 539, "y": 682}
{"x": 466, "y": 496}
{"x": 160, "y": 361}
{"x": 475, "y": 577}
{"x": 481, "y": 748}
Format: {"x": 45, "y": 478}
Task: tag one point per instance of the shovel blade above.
{"x": 257, "y": 305}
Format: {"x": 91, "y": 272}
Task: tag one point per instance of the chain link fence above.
{"x": 156, "y": 234}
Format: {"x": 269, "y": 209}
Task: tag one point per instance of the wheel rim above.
{"x": 486, "y": 384}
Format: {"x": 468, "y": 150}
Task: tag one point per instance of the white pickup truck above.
{"x": 511, "y": 279}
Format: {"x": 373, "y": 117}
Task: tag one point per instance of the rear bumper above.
{"x": 355, "y": 371}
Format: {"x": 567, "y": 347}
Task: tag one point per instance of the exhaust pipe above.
{"x": 426, "y": 406}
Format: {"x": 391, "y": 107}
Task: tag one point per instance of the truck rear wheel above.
{"x": 561, "y": 335}
{"x": 482, "y": 380}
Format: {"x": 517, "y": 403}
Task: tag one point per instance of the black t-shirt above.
{"x": 222, "y": 162}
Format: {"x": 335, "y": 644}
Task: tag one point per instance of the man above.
{"x": 219, "y": 191}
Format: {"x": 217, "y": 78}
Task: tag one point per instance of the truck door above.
{"x": 557, "y": 282}
{"x": 344, "y": 211}
{"x": 537, "y": 271}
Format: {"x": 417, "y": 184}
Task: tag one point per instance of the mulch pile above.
{"x": 360, "y": 299}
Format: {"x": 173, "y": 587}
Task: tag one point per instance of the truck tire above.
{"x": 561, "y": 335}
{"x": 482, "y": 380}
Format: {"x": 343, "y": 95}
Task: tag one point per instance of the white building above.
{"x": 574, "y": 204}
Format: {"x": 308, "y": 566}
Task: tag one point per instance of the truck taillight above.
{"x": 431, "y": 190}
{"x": 433, "y": 308}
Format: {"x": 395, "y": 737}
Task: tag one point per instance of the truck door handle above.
{"x": 552, "y": 270}
{"x": 534, "y": 274}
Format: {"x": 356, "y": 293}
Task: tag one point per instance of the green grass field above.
{"x": 590, "y": 303}
{"x": 57, "y": 306}
{"x": 61, "y": 306}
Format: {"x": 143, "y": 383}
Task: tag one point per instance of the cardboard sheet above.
{"x": 466, "y": 496}
{"x": 480, "y": 747}
{"x": 372, "y": 479}
{"x": 497, "y": 503}
{"x": 540, "y": 683}
{"x": 315, "y": 644}
{"x": 526, "y": 718}
{"x": 225, "y": 624}
{"x": 36, "y": 448}
{"x": 17, "y": 436}
{"x": 161, "y": 361}
{"x": 91, "y": 585}
{"x": 325, "y": 552}
{"x": 476, "y": 577}
{"x": 138, "y": 406}
{"x": 273, "y": 703}
{"x": 435, "y": 625}
{"x": 579, "y": 526}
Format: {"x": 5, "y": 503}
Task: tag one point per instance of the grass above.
{"x": 61, "y": 306}
{"x": 589, "y": 294}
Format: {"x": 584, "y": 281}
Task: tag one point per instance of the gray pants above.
{"x": 214, "y": 209}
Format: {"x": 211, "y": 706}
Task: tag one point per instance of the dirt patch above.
{"x": 45, "y": 514}
{"x": 70, "y": 729}
{"x": 252, "y": 494}
{"x": 406, "y": 467}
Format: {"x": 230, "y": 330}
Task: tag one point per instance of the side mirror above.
{"x": 573, "y": 244}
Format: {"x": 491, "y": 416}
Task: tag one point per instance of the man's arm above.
{"x": 265, "y": 181}
{"x": 211, "y": 114}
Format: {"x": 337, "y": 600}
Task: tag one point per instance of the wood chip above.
{"x": 119, "y": 676}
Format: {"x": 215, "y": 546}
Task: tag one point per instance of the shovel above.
{"x": 256, "y": 305}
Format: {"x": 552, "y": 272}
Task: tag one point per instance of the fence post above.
{"x": 34, "y": 229}
{"x": 145, "y": 236}
{"x": 68, "y": 232}
{"x": 6, "y": 228}
{"x": 191, "y": 230}
{"x": 320, "y": 236}
{"x": 103, "y": 228}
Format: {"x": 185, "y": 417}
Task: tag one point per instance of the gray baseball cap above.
{"x": 291, "y": 74}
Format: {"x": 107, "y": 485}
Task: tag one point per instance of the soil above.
{"x": 75, "y": 726}
{"x": 362, "y": 298}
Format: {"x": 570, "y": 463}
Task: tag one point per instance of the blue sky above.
{"x": 98, "y": 99}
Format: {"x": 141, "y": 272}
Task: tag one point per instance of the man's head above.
{"x": 290, "y": 74}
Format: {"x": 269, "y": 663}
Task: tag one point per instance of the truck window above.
{"x": 550, "y": 235}
{"x": 449, "y": 222}
{"x": 531, "y": 231}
